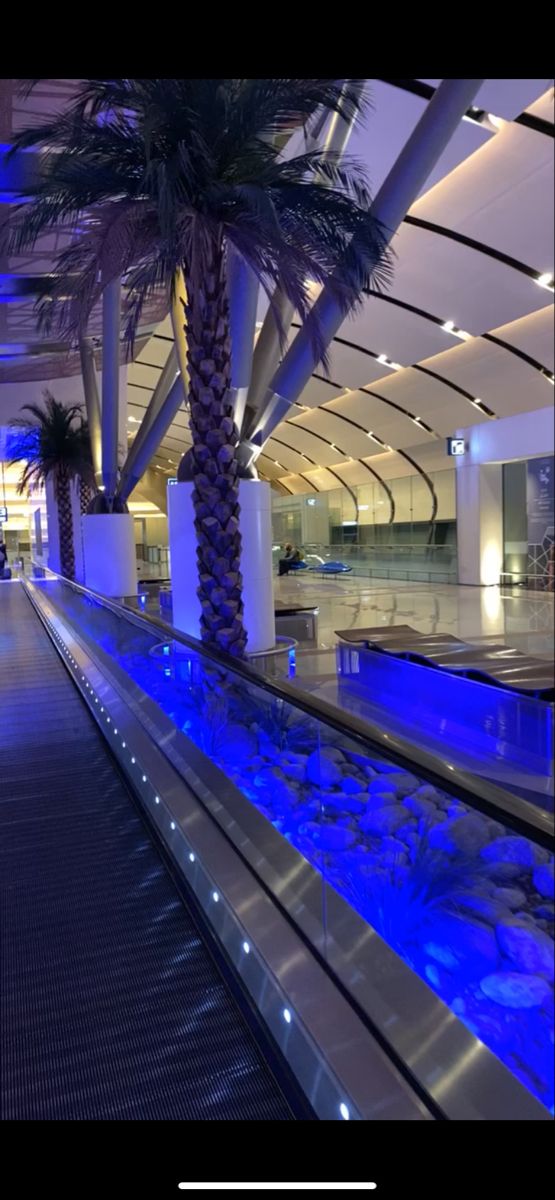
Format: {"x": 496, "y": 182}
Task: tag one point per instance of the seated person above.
{"x": 291, "y": 555}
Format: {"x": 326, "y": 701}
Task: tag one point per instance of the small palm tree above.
{"x": 53, "y": 445}
{"x": 158, "y": 177}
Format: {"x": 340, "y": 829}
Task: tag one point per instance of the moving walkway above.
{"x": 209, "y": 917}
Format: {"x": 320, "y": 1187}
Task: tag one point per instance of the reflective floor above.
{"x": 520, "y": 619}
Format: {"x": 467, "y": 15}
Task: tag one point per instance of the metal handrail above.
{"x": 489, "y": 798}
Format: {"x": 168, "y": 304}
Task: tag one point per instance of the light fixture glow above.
{"x": 448, "y": 326}
{"x": 246, "y": 947}
{"x": 388, "y": 362}
{"x": 156, "y": 799}
{"x": 546, "y": 281}
{"x": 144, "y": 778}
{"x": 191, "y": 857}
{"x": 287, "y": 1016}
{"x": 345, "y": 1114}
{"x": 172, "y": 824}
{"x": 215, "y": 897}
{"x": 133, "y": 761}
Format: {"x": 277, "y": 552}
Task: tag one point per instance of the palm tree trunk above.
{"x": 211, "y": 462}
{"x": 85, "y": 496}
{"x": 65, "y": 525}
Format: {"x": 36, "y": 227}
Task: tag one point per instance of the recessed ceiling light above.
{"x": 450, "y": 327}
{"x": 546, "y": 281}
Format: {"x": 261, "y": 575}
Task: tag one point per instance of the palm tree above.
{"x": 54, "y": 445}
{"x": 87, "y": 487}
{"x": 158, "y": 179}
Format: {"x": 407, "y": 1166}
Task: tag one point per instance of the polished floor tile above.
{"x": 520, "y": 619}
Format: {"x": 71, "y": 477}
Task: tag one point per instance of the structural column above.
{"x": 109, "y": 554}
{"x": 256, "y": 562}
{"x": 479, "y": 522}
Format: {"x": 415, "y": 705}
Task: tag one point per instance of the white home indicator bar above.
{"x": 277, "y": 1187}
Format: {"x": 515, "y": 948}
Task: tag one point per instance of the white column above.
{"x": 53, "y": 527}
{"x": 183, "y": 559}
{"x": 479, "y": 522}
{"x": 109, "y": 553}
{"x": 256, "y": 562}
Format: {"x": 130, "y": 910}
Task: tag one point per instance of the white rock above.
{"x": 322, "y": 770}
{"x": 515, "y": 849}
{"x": 383, "y": 820}
{"x": 543, "y": 880}
{"x": 514, "y": 990}
{"x": 526, "y": 946}
{"x": 466, "y": 834}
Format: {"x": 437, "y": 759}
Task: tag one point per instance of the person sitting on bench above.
{"x": 291, "y": 555}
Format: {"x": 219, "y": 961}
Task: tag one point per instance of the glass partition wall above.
{"x": 411, "y": 871}
{"x": 356, "y": 526}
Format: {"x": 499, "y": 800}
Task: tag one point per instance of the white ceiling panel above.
{"x": 340, "y": 433}
{"x": 387, "y": 329}
{"x": 292, "y": 460}
{"x": 367, "y": 409}
{"x": 140, "y": 374}
{"x": 532, "y": 334}
{"x": 505, "y": 383}
{"x": 155, "y": 352}
{"x": 307, "y": 443}
{"x": 351, "y": 368}
{"x": 543, "y": 108}
{"x": 502, "y": 197}
{"x": 317, "y": 391}
{"x": 457, "y": 283}
{"x": 451, "y": 415}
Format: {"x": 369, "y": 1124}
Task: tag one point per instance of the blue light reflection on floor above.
{"x": 435, "y": 909}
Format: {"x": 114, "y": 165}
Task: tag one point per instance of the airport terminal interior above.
{"x": 277, "y": 572}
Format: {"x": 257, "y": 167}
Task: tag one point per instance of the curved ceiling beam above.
{"x": 392, "y": 403}
{"x": 439, "y": 321}
{"x": 464, "y": 240}
{"x": 479, "y": 404}
{"x": 351, "y": 459}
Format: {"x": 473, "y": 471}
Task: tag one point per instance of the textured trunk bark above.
{"x": 65, "y": 523}
{"x": 211, "y": 463}
{"x": 85, "y": 496}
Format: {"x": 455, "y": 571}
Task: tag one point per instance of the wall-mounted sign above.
{"x": 171, "y": 481}
{"x": 3, "y": 514}
{"x": 540, "y": 503}
{"x": 455, "y": 446}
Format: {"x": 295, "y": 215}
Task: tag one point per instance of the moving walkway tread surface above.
{"x": 112, "y": 1007}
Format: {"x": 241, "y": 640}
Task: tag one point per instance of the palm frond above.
{"x": 145, "y": 174}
